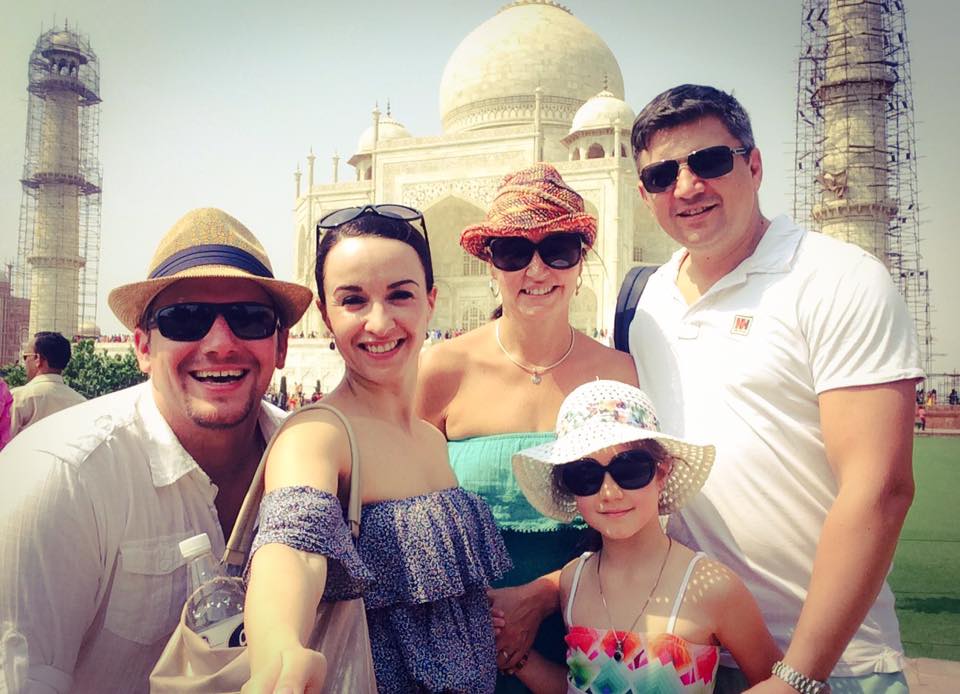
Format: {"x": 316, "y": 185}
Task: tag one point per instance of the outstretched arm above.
{"x": 307, "y": 453}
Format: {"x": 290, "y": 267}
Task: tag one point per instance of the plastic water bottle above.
{"x": 215, "y": 605}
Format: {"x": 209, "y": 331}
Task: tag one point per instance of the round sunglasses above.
{"x": 710, "y": 162}
{"x": 560, "y": 251}
{"x": 191, "y": 321}
{"x": 633, "y": 469}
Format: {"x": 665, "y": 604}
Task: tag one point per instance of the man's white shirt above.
{"x": 94, "y": 501}
{"x": 742, "y": 368}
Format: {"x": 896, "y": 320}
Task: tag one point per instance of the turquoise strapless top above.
{"x": 483, "y": 466}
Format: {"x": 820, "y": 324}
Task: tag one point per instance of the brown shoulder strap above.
{"x": 238, "y": 546}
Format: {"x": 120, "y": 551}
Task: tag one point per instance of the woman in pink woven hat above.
{"x": 497, "y": 389}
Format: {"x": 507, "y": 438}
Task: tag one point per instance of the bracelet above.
{"x": 802, "y": 683}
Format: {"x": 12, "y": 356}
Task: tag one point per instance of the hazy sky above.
{"x": 214, "y": 104}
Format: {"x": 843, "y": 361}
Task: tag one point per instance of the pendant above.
{"x": 618, "y": 653}
{"x": 535, "y": 378}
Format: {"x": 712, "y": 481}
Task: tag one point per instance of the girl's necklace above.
{"x": 618, "y": 652}
{"x": 536, "y": 371}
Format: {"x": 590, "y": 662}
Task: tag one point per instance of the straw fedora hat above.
{"x": 208, "y": 242}
{"x": 597, "y": 415}
{"x": 532, "y": 203}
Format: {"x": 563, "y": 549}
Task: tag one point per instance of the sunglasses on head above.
{"x": 387, "y": 211}
{"x": 710, "y": 162}
{"x": 559, "y": 251}
{"x": 189, "y": 322}
{"x": 633, "y": 469}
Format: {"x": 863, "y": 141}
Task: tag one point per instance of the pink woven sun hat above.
{"x": 532, "y": 203}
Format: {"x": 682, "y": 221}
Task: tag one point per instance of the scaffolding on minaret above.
{"x": 855, "y": 167}
{"x": 59, "y": 241}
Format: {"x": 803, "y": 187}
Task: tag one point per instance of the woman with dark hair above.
{"x": 427, "y": 549}
{"x": 497, "y": 389}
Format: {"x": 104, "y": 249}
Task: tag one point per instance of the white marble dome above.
{"x": 491, "y": 77}
{"x": 389, "y": 129}
{"x": 601, "y": 111}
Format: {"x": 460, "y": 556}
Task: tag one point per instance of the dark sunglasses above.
{"x": 632, "y": 469}
{"x": 710, "y": 162}
{"x": 559, "y": 251}
{"x": 191, "y": 321}
{"x": 387, "y": 211}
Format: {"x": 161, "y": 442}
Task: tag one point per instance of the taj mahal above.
{"x": 532, "y": 83}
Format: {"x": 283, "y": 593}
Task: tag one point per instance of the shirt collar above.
{"x": 167, "y": 458}
{"x": 775, "y": 252}
{"x": 47, "y": 378}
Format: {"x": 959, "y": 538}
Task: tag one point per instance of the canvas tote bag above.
{"x": 189, "y": 665}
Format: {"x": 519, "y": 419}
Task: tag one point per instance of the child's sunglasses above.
{"x": 560, "y": 251}
{"x": 632, "y": 469}
{"x": 189, "y": 322}
{"x": 710, "y": 162}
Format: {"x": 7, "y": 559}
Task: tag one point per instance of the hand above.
{"x": 771, "y": 685}
{"x": 520, "y": 618}
{"x": 297, "y": 671}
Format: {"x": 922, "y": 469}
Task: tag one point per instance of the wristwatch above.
{"x": 799, "y": 681}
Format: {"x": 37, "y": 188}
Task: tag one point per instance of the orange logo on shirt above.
{"x": 741, "y": 325}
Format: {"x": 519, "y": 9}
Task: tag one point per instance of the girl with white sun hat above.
{"x": 643, "y": 613}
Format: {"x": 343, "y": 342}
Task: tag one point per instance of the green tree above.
{"x": 14, "y": 374}
{"x": 92, "y": 374}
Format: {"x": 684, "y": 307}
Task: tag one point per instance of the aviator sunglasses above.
{"x": 387, "y": 211}
{"x": 191, "y": 321}
{"x": 559, "y": 251}
{"x": 632, "y": 469}
{"x": 710, "y": 162}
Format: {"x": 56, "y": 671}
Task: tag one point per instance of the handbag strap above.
{"x": 238, "y": 546}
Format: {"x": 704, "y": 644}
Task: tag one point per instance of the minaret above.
{"x": 60, "y": 216}
{"x": 853, "y": 95}
{"x": 855, "y": 174}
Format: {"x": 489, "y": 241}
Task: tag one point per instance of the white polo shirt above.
{"x": 94, "y": 501}
{"x": 742, "y": 368}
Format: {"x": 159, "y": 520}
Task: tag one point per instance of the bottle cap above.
{"x": 195, "y": 546}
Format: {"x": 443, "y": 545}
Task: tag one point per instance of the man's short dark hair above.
{"x": 685, "y": 104}
{"x": 53, "y": 347}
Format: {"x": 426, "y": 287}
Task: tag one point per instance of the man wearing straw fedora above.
{"x": 97, "y": 498}
{"x": 794, "y": 353}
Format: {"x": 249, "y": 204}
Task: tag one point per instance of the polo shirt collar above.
{"x": 775, "y": 253}
{"x": 167, "y": 458}
{"x": 47, "y": 378}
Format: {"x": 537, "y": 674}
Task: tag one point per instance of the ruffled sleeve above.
{"x": 427, "y": 548}
{"x": 311, "y": 520}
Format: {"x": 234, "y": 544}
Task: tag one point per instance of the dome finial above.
{"x": 388, "y": 107}
{"x": 606, "y": 82}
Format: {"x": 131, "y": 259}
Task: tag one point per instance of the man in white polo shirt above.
{"x": 794, "y": 354}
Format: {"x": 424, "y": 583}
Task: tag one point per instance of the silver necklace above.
{"x": 618, "y": 651}
{"x": 536, "y": 371}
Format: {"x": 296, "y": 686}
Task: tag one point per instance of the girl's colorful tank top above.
{"x": 663, "y": 663}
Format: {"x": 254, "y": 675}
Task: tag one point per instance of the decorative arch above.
{"x": 595, "y": 151}
{"x": 445, "y": 220}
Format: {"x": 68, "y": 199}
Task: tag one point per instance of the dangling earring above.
{"x": 579, "y": 284}
{"x": 494, "y": 288}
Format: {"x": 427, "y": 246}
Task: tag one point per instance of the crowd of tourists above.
{"x": 519, "y": 507}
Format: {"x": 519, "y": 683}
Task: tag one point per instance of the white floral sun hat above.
{"x": 597, "y": 415}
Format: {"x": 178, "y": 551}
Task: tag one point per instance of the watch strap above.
{"x": 802, "y": 683}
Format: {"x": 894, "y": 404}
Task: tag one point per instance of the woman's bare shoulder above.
{"x": 607, "y": 363}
